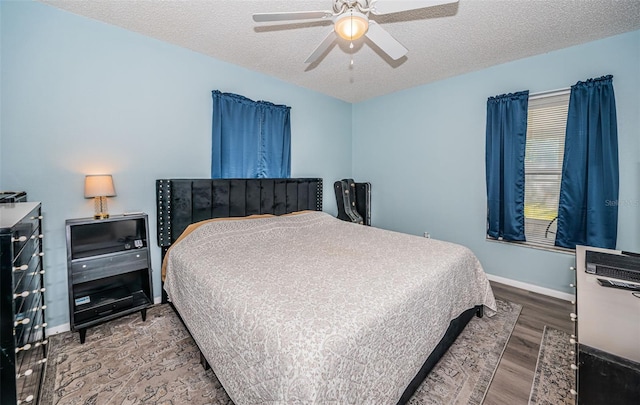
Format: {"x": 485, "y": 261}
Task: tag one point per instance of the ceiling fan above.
{"x": 351, "y": 21}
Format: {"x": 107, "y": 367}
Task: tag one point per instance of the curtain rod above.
{"x": 548, "y": 92}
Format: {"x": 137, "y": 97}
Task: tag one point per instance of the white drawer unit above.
{"x": 607, "y": 326}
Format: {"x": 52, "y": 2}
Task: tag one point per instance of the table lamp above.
{"x": 99, "y": 187}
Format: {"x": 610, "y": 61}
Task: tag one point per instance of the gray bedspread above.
{"x": 309, "y": 309}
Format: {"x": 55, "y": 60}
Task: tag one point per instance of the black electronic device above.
{"x": 624, "y": 266}
{"x": 618, "y": 284}
{"x": 12, "y": 197}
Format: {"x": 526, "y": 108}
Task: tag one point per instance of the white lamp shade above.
{"x": 99, "y": 185}
{"x": 351, "y": 26}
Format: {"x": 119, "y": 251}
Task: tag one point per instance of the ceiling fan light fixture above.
{"x": 351, "y": 25}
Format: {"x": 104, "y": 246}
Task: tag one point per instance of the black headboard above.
{"x": 181, "y": 202}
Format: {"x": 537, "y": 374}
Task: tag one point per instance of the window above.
{"x": 544, "y": 152}
{"x": 537, "y": 193}
{"x": 249, "y": 139}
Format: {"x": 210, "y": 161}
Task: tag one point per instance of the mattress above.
{"x": 310, "y": 309}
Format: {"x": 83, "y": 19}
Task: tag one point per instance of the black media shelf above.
{"x": 109, "y": 268}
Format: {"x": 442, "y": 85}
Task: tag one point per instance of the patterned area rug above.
{"x": 128, "y": 361}
{"x": 553, "y": 379}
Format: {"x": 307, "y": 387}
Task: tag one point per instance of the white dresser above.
{"x": 607, "y": 327}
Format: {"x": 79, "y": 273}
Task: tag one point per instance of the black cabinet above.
{"x": 109, "y": 269}
{"x": 23, "y": 340}
{"x": 604, "y": 378}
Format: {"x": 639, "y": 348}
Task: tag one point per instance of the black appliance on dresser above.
{"x": 12, "y": 197}
{"x": 23, "y": 343}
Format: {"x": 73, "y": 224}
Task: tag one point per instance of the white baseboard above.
{"x": 65, "y": 327}
{"x": 532, "y": 287}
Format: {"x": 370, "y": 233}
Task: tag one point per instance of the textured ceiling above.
{"x": 443, "y": 41}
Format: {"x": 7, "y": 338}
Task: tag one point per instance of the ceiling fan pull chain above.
{"x": 351, "y": 55}
{"x": 351, "y": 43}
{"x": 351, "y": 33}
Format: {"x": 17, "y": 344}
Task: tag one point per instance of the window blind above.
{"x": 546, "y": 127}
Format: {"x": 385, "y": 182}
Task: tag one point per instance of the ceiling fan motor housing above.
{"x": 340, "y": 6}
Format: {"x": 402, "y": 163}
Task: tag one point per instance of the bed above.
{"x": 291, "y": 305}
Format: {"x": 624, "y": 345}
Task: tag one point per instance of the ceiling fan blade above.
{"x": 394, "y": 6}
{"x": 385, "y": 41}
{"x": 324, "y": 45}
{"x": 292, "y": 15}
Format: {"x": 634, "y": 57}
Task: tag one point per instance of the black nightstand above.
{"x": 109, "y": 269}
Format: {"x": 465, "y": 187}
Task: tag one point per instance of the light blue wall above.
{"x": 82, "y": 97}
{"x": 423, "y": 150}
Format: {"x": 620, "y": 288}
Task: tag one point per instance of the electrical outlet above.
{"x": 427, "y": 235}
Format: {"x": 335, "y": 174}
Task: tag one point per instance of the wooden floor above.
{"x": 511, "y": 384}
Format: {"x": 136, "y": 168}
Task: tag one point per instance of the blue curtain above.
{"x": 588, "y": 209}
{"x": 505, "y": 151}
{"x": 250, "y": 139}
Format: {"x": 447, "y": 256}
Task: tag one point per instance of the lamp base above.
{"x": 101, "y": 208}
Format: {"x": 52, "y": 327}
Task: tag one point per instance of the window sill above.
{"x": 555, "y": 249}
